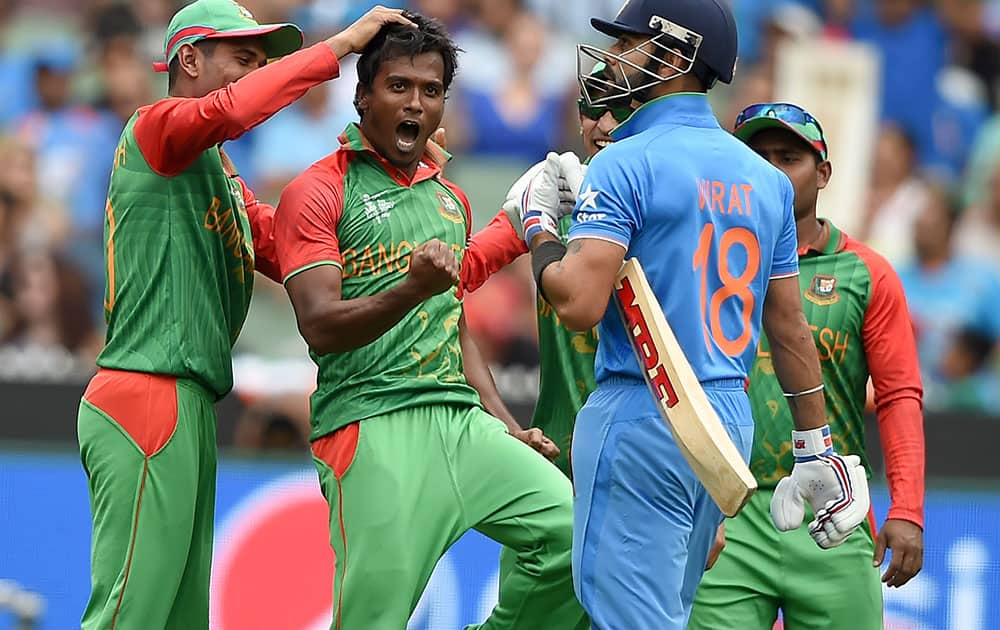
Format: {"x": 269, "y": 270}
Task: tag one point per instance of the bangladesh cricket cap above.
{"x": 216, "y": 19}
{"x": 756, "y": 118}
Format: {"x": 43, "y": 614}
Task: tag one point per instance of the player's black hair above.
{"x": 977, "y": 344}
{"x": 395, "y": 40}
{"x": 207, "y": 47}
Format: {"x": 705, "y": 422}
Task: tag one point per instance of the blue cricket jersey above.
{"x": 710, "y": 221}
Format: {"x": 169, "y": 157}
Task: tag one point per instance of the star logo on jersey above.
{"x": 823, "y": 290}
{"x": 589, "y": 198}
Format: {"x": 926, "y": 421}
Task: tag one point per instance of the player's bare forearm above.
{"x": 478, "y": 375}
{"x": 579, "y": 286}
{"x": 793, "y": 353}
{"x": 330, "y": 324}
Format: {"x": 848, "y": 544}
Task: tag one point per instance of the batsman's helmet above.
{"x": 702, "y": 33}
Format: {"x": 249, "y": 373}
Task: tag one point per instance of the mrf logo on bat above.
{"x": 638, "y": 327}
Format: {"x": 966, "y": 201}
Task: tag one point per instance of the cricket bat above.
{"x": 681, "y": 400}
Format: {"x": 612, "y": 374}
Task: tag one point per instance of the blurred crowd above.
{"x": 72, "y": 73}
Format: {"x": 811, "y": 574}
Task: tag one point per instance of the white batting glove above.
{"x": 571, "y": 173}
{"x": 570, "y": 176}
{"x": 540, "y": 201}
{"x": 512, "y": 201}
{"x": 836, "y": 487}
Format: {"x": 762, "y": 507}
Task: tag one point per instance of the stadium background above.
{"x": 907, "y": 91}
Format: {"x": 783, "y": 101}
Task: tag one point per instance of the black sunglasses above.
{"x": 594, "y": 112}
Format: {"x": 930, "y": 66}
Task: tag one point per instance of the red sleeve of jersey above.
{"x": 262, "y": 227}
{"x": 173, "y": 132}
{"x": 490, "y": 250}
{"x": 892, "y": 362}
{"x": 305, "y": 223}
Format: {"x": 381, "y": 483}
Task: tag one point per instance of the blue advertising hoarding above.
{"x": 273, "y": 564}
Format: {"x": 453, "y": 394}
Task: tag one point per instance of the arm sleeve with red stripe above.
{"x": 305, "y": 224}
{"x": 892, "y": 362}
{"x": 490, "y": 250}
{"x": 173, "y": 132}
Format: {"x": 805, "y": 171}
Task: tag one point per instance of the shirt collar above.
{"x": 687, "y": 108}
{"x": 430, "y": 165}
{"x": 834, "y": 243}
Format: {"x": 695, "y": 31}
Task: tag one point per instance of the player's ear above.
{"x": 188, "y": 60}
{"x": 361, "y": 99}
{"x": 823, "y": 172}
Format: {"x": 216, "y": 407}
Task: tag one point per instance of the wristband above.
{"x": 537, "y": 222}
{"x": 804, "y": 392}
{"x": 541, "y": 257}
{"x": 808, "y": 445}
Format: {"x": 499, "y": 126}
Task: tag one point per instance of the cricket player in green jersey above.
{"x": 369, "y": 240}
{"x": 856, "y": 309}
{"x": 183, "y": 236}
{"x": 566, "y": 370}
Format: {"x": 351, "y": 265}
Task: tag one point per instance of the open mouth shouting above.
{"x": 407, "y": 133}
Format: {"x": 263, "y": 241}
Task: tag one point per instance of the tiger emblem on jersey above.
{"x": 823, "y": 290}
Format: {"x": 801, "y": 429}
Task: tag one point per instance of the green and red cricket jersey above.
{"x": 856, "y": 309}
{"x": 184, "y": 234}
{"x": 355, "y": 211}
{"x": 566, "y": 369}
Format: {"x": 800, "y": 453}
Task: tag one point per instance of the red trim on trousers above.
{"x": 131, "y": 549}
{"x": 337, "y": 450}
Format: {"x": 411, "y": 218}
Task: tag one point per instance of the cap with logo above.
{"x": 760, "y": 116}
{"x": 217, "y": 19}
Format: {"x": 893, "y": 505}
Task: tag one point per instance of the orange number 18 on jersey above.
{"x": 737, "y": 286}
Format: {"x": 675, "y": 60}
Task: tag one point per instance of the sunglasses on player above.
{"x": 791, "y": 116}
{"x": 594, "y": 112}
{"x": 782, "y": 111}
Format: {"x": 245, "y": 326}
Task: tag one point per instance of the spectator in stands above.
{"x": 61, "y": 132}
{"x": 978, "y": 232}
{"x": 52, "y": 335}
{"x": 295, "y": 137}
{"x": 969, "y": 382}
{"x": 33, "y": 220}
{"x": 8, "y": 247}
{"x": 913, "y": 47}
{"x": 897, "y": 196}
{"x": 948, "y": 293}
{"x": 511, "y": 118}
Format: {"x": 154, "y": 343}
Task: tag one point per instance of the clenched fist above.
{"x": 433, "y": 269}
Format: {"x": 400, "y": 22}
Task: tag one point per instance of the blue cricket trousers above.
{"x": 643, "y": 523}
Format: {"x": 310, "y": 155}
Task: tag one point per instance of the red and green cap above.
{"x": 760, "y": 116}
{"x": 216, "y": 19}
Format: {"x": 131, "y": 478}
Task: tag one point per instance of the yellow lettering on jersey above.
{"x": 212, "y": 215}
{"x": 119, "y": 155}
{"x": 350, "y": 266}
{"x": 403, "y": 260}
{"x": 384, "y": 258}
{"x": 841, "y": 344}
{"x": 831, "y": 345}
{"x": 366, "y": 261}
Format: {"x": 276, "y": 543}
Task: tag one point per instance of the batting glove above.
{"x": 571, "y": 173}
{"x": 540, "y": 201}
{"x": 836, "y": 488}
